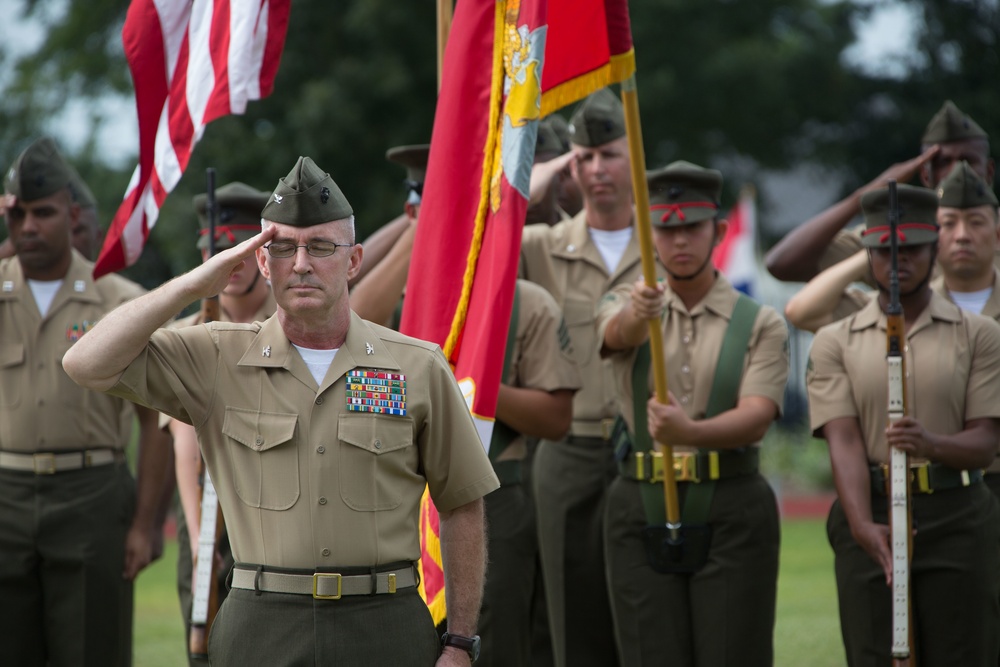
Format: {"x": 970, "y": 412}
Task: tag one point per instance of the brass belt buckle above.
{"x": 49, "y": 467}
{"x": 326, "y": 575}
{"x": 685, "y": 469}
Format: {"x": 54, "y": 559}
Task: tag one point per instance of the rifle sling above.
{"x": 723, "y": 396}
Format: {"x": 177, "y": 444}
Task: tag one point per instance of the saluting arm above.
{"x": 98, "y": 359}
{"x": 463, "y": 554}
{"x": 813, "y": 306}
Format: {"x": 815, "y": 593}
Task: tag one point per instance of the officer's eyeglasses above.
{"x": 285, "y": 249}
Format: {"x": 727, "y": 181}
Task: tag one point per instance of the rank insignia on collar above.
{"x": 79, "y": 286}
{"x": 369, "y": 349}
{"x": 376, "y": 391}
{"x": 8, "y": 286}
{"x": 266, "y": 352}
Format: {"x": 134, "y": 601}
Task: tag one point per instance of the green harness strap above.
{"x": 503, "y": 435}
{"x": 725, "y": 390}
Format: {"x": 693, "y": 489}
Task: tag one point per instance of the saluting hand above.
{"x": 668, "y": 423}
{"x": 903, "y": 172}
{"x": 211, "y": 277}
{"x": 909, "y": 436}
{"x": 648, "y": 302}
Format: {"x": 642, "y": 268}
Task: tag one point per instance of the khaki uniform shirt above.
{"x": 565, "y": 261}
{"x": 542, "y": 352}
{"x": 692, "y": 340}
{"x": 952, "y": 362}
{"x": 41, "y": 408}
{"x": 991, "y": 309}
{"x": 304, "y": 482}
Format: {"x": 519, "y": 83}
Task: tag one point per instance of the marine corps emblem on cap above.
{"x": 298, "y": 198}
{"x": 917, "y": 216}
{"x": 598, "y": 120}
{"x": 964, "y": 189}
{"x": 683, "y": 193}
{"x": 38, "y": 172}
{"x": 950, "y": 124}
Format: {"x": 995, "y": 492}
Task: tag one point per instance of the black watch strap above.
{"x": 468, "y": 644}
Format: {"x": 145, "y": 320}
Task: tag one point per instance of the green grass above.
{"x": 807, "y": 630}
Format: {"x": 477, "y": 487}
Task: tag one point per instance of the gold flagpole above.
{"x": 633, "y": 129}
{"x": 445, "y": 9}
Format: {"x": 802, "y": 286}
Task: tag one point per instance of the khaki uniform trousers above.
{"x": 570, "y": 482}
{"x": 955, "y": 582}
{"x": 505, "y": 621}
{"x": 721, "y": 616}
{"x": 63, "y": 601}
{"x": 284, "y": 630}
{"x": 185, "y": 575}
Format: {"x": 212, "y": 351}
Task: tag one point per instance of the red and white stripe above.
{"x": 191, "y": 62}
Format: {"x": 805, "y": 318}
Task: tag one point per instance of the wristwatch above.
{"x": 468, "y": 644}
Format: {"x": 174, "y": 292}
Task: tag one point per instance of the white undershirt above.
{"x": 611, "y": 244}
{"x": 44, "y": 292}
{"x": 317, "y": 361}
{"x": 974, "y": 302}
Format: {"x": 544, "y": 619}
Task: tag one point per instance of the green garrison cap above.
{"x": 547, "y": 142}
{"x": 950, "y": 124}
{"x": 78, "y": 188}
{"x": 683, "y": 193}
{"x": 239, "y": 214}
{"x": 917, "y": 216}
{"x": 964, "y": 189}
{"x": 414, "y": 158}
{"x": 307, "y": 196}
{"x": 560, "y": 126}
{"x": 39, "y": 171}
{"x": 598, "y": 120}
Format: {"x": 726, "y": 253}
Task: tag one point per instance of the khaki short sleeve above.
{"x": 609, "y": 306}
{"x": 546, "y": 360}
{"x": 767, "y": 371}
{"x": 983, "y": 392}
{"x": 828, "y": 384}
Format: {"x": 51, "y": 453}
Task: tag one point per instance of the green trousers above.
{"x": 505, "y": 618}
{"x": 723, "y": 615}
{"x": 281, "y": 630}
{"x": 185, "y": 573}
{"x": 63, "y": 601}
{"x": 955, "y": 582}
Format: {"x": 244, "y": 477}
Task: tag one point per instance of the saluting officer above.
{"x": 952, "y": 359}
{"x": 247, "y": 298}
{"x": 320, "y": 431}
{"x": 727, "y": 362}
{"x": 73, "y": 534}
{"x": 577, "y": 261}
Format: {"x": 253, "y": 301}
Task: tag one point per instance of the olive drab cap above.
{"x": 78, "y": 188}
{"x": 950, "y": 124}
{"x": 964, "y": 189}
{"x": 560, "y": 126}
{"x": 39, "y": 171}
{"x": 598, "y": 120}
{"x": 917, "y": 216}
{"x": 547, "y": 142}
{"x": 683, "y": 193}
{"x": 307, "y": 196}
{"x": 239, "y": 214}
{"x": 414, "y": 158}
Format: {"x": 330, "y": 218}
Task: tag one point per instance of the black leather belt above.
{"x": 926, "y": 478}
{"x": 700, "y": 466}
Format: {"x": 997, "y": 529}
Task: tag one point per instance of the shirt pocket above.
{"x": 377, "y": 458}
{"x": 264, "y": 457}
{"x": 581, "y": 324}
{"x": 11, "y": 374}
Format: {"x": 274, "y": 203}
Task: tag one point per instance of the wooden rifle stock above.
{"x": 204, "y": 587}
{"x": 900, "y": 514}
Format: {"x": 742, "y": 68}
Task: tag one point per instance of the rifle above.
{"x": 900, "y": 511}
{"x": 204, "y": 590}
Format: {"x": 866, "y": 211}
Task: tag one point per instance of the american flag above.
{"x": 191, "y": 62}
